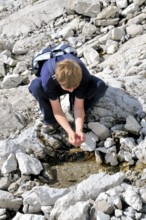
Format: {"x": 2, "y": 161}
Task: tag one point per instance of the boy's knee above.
{"x": 101, "y": 87}
{"x": 35, "y": 86}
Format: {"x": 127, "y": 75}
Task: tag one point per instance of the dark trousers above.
{"x": 95, "y": 91}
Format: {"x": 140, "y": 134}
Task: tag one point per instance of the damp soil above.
{"x": 70, "y": 165}
{"x": 79, "y": 167}
{"x": 70, "y": 173}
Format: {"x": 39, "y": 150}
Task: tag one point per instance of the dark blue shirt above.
{"x": 51, "y": 86}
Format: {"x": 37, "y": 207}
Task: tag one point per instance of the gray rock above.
{"x": 11, "y": 81}
{"x": 100, "y": 130}
{"x": 29, "y": 18}
{"x": 132, "y": 125}
{"x": 20, "y": 68}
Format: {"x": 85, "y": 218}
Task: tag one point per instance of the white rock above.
{"x": 103, "y": 206}
{"x": 66, "y": 201}
{"x": 48, "y": 196}
{"x": 111, "y": 46}
{"x": 20, "y": 216}
{"x": 143, "y": 195}
{"x": 102, "y": 216}
{"x": 20, "y": 67}
{"x": 8, "y": 147}
{"x": 132, "y": 198}
{"x": 89, "y": 30}
{"x": 111, "y": 158}
{"x": 91, "y": 55}
{"x": 28, "y": 165}
{"x": 118, "y": 213}
{"x": 143, "y": 123}
{"x": 90, "y": 142}
{"x": 30, "y": 18}
{"x": 9, "y": 165}
{"x": 121, "y": 3}
{"x": 8, "y": 201}
{"x": 134, "y": 29}
{"x": 98, "y": 157}
{"x": 130, "y": 9}
{"x": 137, "y": 20}
{"x": 140, "y": 150}
{"x": 117, "y": 33}
{"x": 107, "y": 12}
{"x": 2, "y": 69}
{"x": 2, "y": 211}
{"x": 75, "y": 212}
{"x": 127, "y": 143}
{"x": 86, "y": 8}
{"x": 97, "y": 183}
{"x": 138, "y": 2}
{"x": 109, "y": 142}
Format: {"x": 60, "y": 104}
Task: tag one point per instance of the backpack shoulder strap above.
{"x": 51, "y": 66}
{"x": 68, "y": 56}
{"x": 63, "y": 49}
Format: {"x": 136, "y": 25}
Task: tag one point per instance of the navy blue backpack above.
{"x": 50, "y": 53}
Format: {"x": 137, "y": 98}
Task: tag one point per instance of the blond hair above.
{"x": 68, "y": 74}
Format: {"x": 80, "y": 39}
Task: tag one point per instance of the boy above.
{"x": 70, "y": 76}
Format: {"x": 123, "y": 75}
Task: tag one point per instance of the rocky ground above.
{"x": 43, "y": 177}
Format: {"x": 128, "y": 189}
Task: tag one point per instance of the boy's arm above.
{"x": 61, "y": 119}
{"x": 79, "y": 115}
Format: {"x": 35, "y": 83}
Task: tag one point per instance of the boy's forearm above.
{"x": 60, "y": 116}
{"x": 79, "y": 115}
{"x": 61, "y": 119}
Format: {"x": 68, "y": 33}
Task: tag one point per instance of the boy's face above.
{"x": 68, "y": 89}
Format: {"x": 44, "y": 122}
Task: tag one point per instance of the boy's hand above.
{"x": 76, "y": 139}
{"x": 80, "y": 136}
{"x": 72, "y": 138}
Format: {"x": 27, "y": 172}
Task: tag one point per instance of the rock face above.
{"x": 110, "y": 39}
